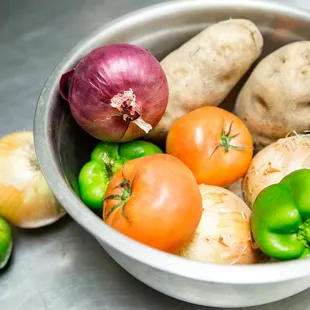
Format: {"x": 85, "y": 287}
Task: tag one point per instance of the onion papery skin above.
{"x": 26, "y": 200}
{"x": 108, "y": 71}
{"x": 223, "y": 235}
{"x": 271, "y": 164}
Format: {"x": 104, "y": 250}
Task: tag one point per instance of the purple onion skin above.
{"x": 105, "y": 72}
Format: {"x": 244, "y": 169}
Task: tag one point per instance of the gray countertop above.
{"x": 62, "y": 267}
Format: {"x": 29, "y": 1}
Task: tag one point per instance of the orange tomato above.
{"x": 214, "y": 143}
{"x": 155, "y": 200}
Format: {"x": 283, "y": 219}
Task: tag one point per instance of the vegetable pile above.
{"x": 175, "y": 171}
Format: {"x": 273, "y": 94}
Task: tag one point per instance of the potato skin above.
{"x": 205, "y": 69}
{"x": 275, "y": 100}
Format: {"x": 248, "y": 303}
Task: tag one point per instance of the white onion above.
{"x": 25, "y": 199}
{"x": 274, "y": 162}
{"x": 224, "y": 233}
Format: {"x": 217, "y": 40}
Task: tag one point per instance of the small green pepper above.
{"x": 106, "y": 159}
{"x": 281, "y": 217}
{"x": 6, "y": 243}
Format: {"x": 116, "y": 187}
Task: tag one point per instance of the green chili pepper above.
{"x": 281, "y": 217}
{"x": 106, "y": 159}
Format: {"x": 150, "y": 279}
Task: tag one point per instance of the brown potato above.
{"x": 205, "y": 69}
{"x": 275, "y": 100}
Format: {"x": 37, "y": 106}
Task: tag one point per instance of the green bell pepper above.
{"x": 105, "y": 160}
{"x": 6, "y": 243}
{"x": 281, "y": 217}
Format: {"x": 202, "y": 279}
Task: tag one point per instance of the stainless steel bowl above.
{"x": 62, "y": 147}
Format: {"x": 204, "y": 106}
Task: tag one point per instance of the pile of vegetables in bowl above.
{"x": 176, "y": 171}
{"x": 173, "y": 168}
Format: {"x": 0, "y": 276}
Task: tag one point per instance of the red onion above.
{"x": 117, "y": 92}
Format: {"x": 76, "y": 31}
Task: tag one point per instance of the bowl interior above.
{"x": 160, "y": 35}
{"x": 160, "y": 29}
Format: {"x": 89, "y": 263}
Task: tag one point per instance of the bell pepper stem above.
{"x": 304, "y": 232}
{"x": 109, "y": 164}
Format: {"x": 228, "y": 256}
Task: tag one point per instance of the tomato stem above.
{"x": 225, "y": 141}
{"x": 123, "y": 197}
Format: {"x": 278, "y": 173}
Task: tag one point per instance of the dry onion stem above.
{"x": 25, "y": 198}
{"x": 224, "y": 233}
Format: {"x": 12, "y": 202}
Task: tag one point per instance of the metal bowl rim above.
{"x": 206, "y": 272}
